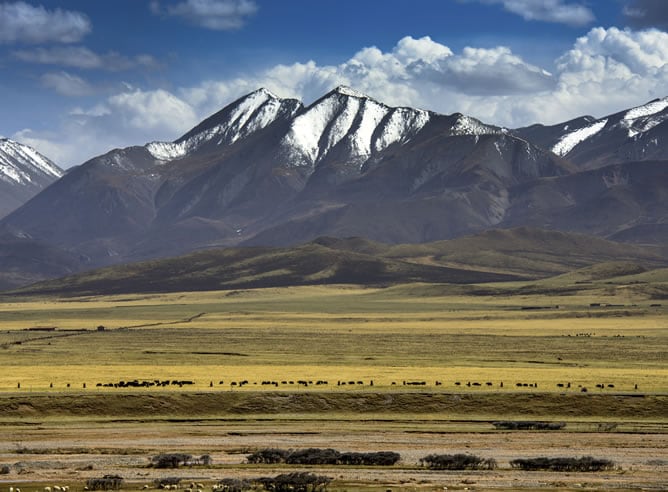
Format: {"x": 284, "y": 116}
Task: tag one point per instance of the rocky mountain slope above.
{"x": 24, "y": 172}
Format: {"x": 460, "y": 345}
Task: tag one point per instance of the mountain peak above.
{"x": 263, "y": 91}
{"x": 347, "y": 91}
{"x": 246, "y": 115}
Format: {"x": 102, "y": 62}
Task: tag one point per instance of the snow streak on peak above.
{"x": 644, "y": 118}
{"x": 22, "y": 164}
{"x": 247, "y": 115}
{"x": 466, "y": 125}
{"x": 360, "y": 124}
{"x": 570, "y": 140}
{"x": 647, "y": 109}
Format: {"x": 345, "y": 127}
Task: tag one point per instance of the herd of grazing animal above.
{"x": 136, "y": 383}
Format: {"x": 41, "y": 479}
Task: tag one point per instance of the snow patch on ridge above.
{"x": 570, "y": 140}
{"x": 644, "y": 118}
{"x": 400, "y": 127}
{"x": 306, "y": 129}
{"x": 348, "y": 117}
{"x": 372, "y": 114}
{"x": 466, "y": 125}
{"x": 167, "y": 151}
{"x": 342, "y": 125}
{"x": 647, "y": 109}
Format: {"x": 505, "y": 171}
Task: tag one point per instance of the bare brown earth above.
{"x": 486, "y": 405}
{"x": 49, "y": 439}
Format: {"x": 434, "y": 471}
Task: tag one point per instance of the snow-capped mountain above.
{"x": 266, "y": 171}
{"x": 636, "y": 134}
{"x": 348, "y": 122}
{"x": 24, "y": 172}
{"x": 240, "y": 119}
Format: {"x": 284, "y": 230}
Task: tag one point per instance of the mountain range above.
{"x": 267, "y": 171}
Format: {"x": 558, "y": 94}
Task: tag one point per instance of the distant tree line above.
{"x": 320, "y": 456}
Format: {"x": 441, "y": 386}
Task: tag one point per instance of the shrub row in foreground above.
{"x": 584, "y": 464}
{"x": 457, "y": 462}
{"x": 319, "y": 456}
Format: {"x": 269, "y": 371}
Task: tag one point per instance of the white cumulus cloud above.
{"x": 21, "y": 22}
{"x": 152, "y": 111}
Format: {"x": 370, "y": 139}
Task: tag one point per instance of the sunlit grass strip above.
{"x": 339, "y": 378}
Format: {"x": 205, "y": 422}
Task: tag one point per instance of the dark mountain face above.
{"x": 627, "y": 201}
{"x": 269, "y": 171}
{"x": 24, "y": 172}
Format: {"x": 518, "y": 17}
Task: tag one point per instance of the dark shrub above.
{"x": 313, "y": 456}
{"x": 295, "y": 482}
{"x": 381, "y": 458}
{"x": 320, "y": 456}
{"x": 457, "y": 462}
{"x": 108, "y": 482}
{"x": 161, "y": 482}
{"x": 4, "y": 469}
{"x": 584, "y": 464}
{"x": 232, "y": 485}
{"x": 268, "y": 456}
{"x": 171, "y": 460}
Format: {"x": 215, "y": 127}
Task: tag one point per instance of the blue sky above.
{"x": 80, "y": 77}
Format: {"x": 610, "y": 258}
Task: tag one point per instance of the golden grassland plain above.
{"x": 339, "y": 334}
{"x": 494, "y": 334}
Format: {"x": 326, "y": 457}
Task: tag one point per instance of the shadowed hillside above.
{"x": 494, "y": 256}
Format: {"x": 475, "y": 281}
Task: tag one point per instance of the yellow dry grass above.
{"x": 406, "y": 333}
